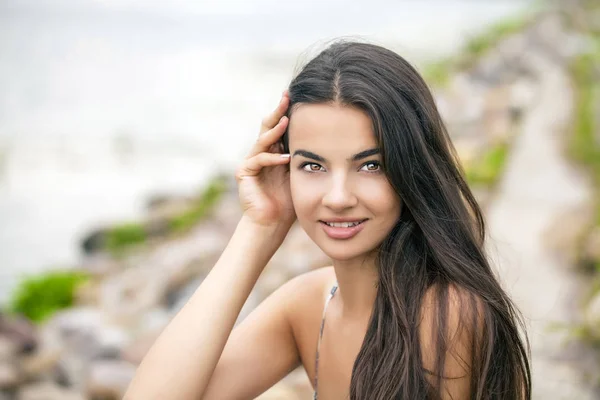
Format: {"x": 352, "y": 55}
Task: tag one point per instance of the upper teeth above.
{"x": 343, "y": 224}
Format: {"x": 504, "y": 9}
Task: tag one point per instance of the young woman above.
{"x": 356, "y": 151}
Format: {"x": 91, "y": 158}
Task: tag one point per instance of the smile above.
{"x": 342, "y": 230}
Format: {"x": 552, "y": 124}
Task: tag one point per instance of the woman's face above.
{"x": 335, "y": 173}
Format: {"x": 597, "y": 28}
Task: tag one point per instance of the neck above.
{"x": 357, "y": 286}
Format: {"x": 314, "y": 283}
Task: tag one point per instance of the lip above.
{"x": 342, "y": 233}
{"x": 338, "y": 219}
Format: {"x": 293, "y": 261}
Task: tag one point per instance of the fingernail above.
{"x": 284, "y": 155}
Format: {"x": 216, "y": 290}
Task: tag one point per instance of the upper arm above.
{"x": 260, "y": 351}
{"x": 463, "y": 317}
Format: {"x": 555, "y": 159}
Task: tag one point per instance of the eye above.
{"x": 310, "y": 167}
{"x": 372, "y": 166}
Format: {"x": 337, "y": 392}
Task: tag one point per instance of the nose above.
{"x": 339, "y": 195}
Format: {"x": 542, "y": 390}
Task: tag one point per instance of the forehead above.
{"x": 330, "y": 126}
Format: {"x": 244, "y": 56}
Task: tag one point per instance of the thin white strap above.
{"x": 331, "y": 293}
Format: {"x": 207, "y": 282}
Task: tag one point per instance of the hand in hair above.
{"x": 263, "y": 177}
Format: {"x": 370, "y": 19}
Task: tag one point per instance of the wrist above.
{"x": 272, "y": 233}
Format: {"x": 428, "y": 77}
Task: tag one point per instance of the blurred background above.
{"x": 121, "y": 123}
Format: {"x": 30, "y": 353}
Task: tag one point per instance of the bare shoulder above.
{"x": 311, "y": 284}
{"x": 305, "y": 298}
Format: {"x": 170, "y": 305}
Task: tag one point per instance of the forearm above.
{"x": 181, "y": 361}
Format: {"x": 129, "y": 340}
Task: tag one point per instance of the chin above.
{"x": 344, "y": 251}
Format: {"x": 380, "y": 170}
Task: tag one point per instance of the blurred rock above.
{"x": 566, "y": 233}
{"x": 100, "y": 264}
{"x": 87, "y": 293}
{"x": 94, "y": 241}
{"x": 87, "y": 332}
{"x": 10, "y": 376}
{"x": 126, "y": 295}
{"x": 109, "y": 380}
{"x": 154, "y": 320}
{"x": 167, "y": 203}
{"x": 42, "y": 364}
{"x": 20, "y": 331}
{"x": 592, "y": 245}
{"x": 48, "y": 391}
{"x": 8, "y": 349}
{"x": 592, "y": 315}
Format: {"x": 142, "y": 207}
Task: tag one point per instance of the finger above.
{"x": 269, "y": 138}
{"x": 253, "y": 166}
{"x": 271, "y": 120}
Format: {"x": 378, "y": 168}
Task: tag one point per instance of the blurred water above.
{"x": 104, "y": 102}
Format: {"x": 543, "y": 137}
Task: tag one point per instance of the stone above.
{"x": 87, "y": 332}
{"x": 48, "y": 391}
{"x": 20, "y": 331}
{"x": 592, "y": 315}
{"x": 109, "y": 379}
{"x": 8, "y": 349}
{"x": 167, "y": 203}
{"x": 99, "y": 265}
{"x": 154, "y": 320}
{"x": 592, "y": 245}
{"x": 567, "y": 231}
{"x": 94, "y": 241}
{"x": 40, "y": 364}
{"x": 132, "y": 292}
{"x": 87, "y": 293}
{"x": 10, "y": 376}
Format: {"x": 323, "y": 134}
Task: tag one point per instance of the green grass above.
{"x": 583, "y": 146}
{"x": 438, "y": 73}
{"x": 38, "y": 297}
{"x": 486, "y": 170}
{"x": 481, "y": 43}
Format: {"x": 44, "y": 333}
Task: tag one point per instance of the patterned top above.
{"x": 333, "y": 289}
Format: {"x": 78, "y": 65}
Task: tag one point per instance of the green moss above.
{"x": 486, "y": 170}
{"x": 125, "y": 235}
{"x": 206, "y": 201}
{"x": 38, "y": 297}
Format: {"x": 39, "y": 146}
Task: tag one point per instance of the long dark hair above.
{"x": 437, "y": 243}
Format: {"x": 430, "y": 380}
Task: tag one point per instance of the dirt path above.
{"x": 539, "y": 184}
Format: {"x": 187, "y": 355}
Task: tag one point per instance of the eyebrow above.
{"x": 355, "y": 157}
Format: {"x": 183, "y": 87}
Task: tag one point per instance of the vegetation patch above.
{"x": 124, "y": 236}
{"x": 487, "y": 169}
{"x": 438, "y": 73}
{"x": 205, "y": 203}
{"x": 38, "y": 297}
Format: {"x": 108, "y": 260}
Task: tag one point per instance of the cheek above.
{"x": 302, "y": 195}
{"x": 382, "y": 199}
